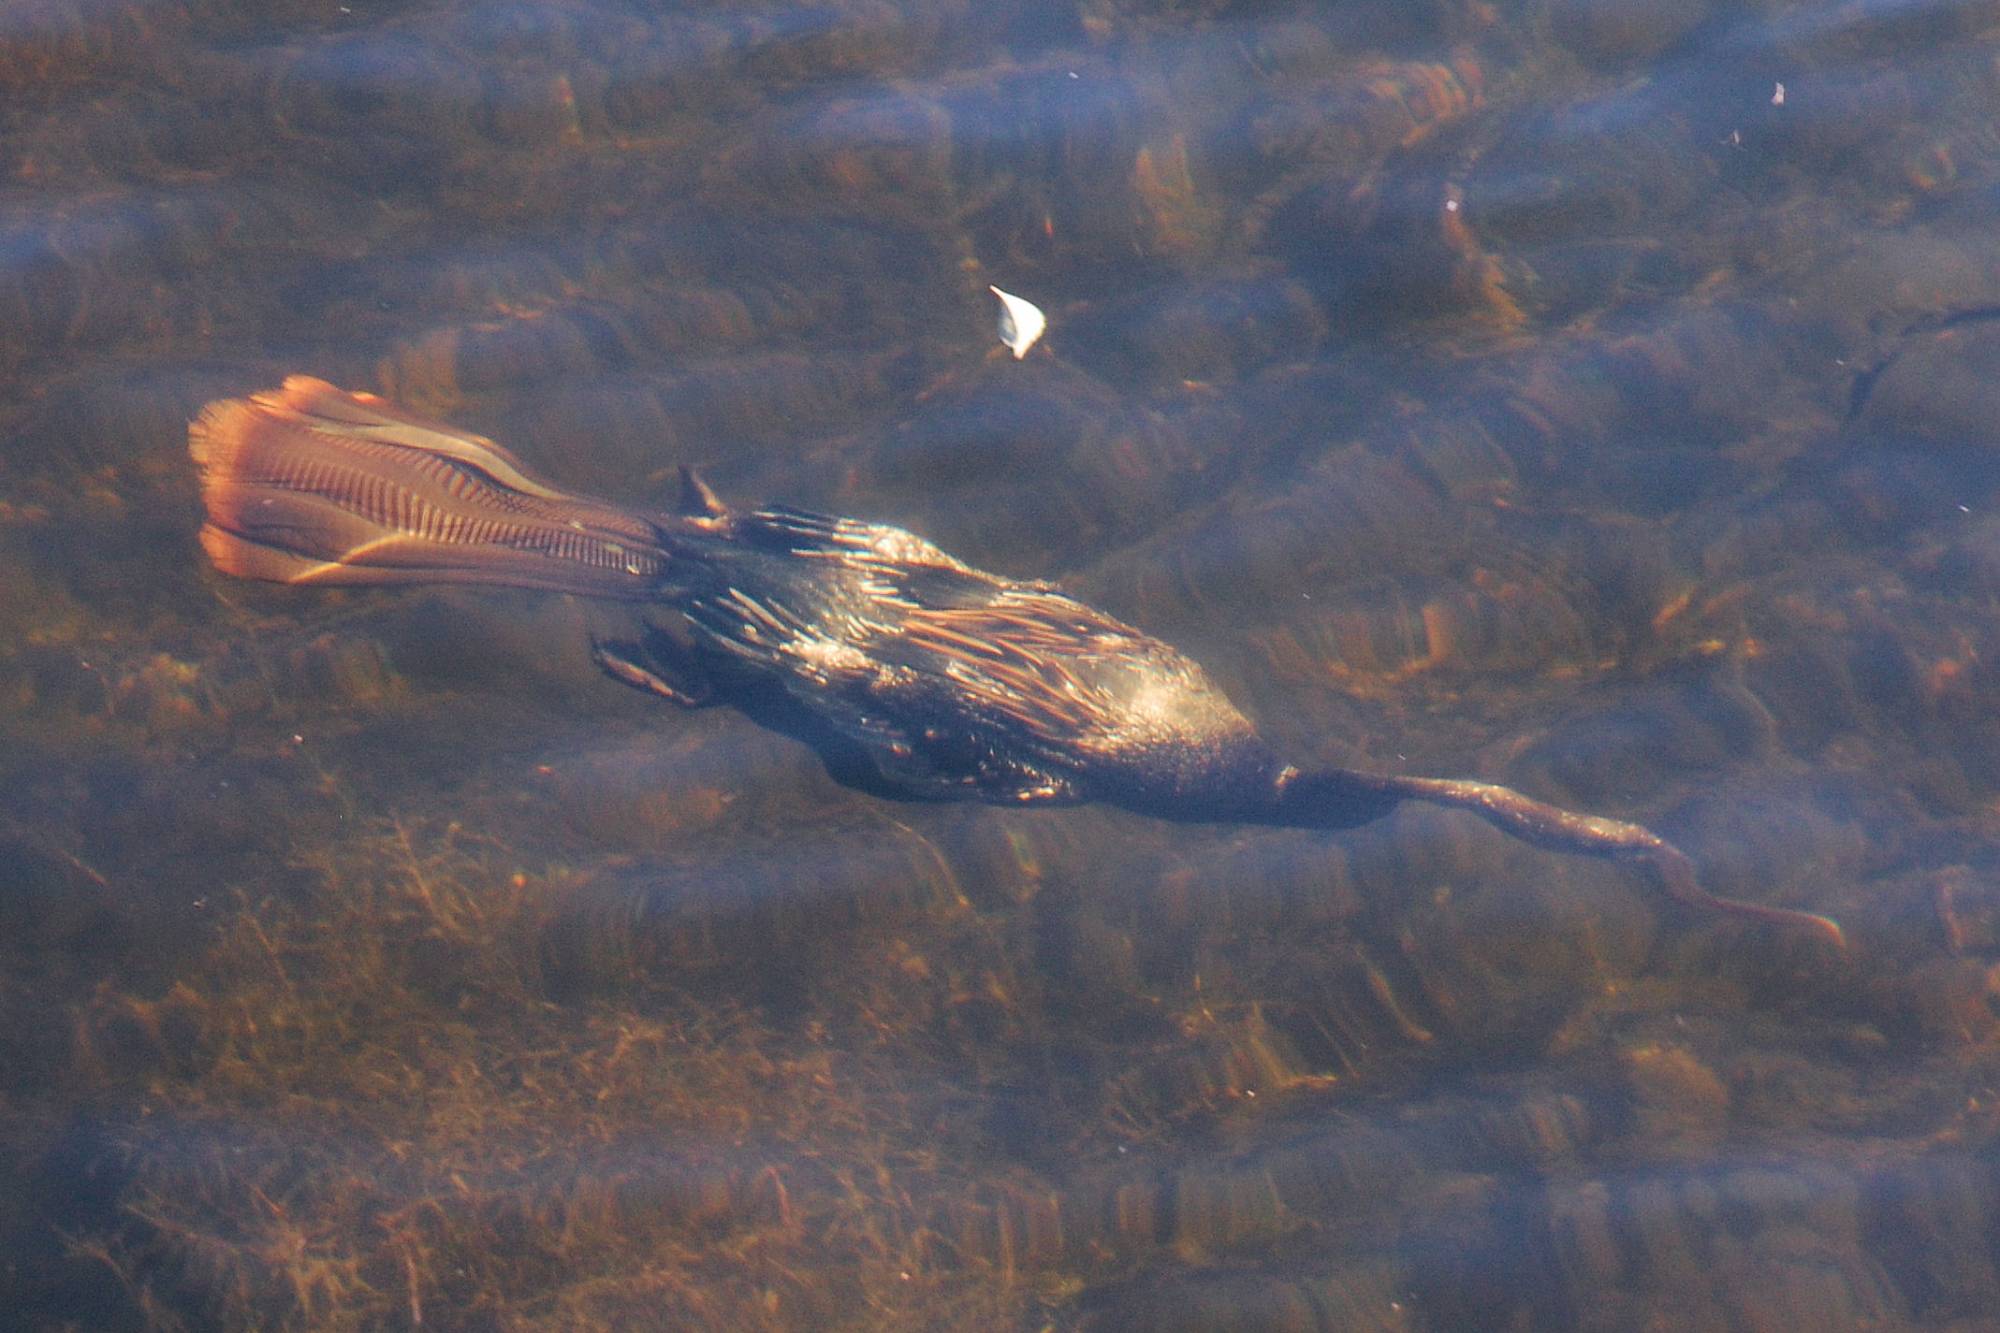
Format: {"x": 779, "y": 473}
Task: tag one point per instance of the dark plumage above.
{"x": 929, "y": 678}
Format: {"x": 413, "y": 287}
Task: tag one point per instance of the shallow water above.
{"x": 1589, "y": 396}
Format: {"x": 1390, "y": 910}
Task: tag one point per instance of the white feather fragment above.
{"x": 1021, "y": 322}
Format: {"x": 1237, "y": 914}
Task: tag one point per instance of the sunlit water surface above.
{"x": 1596, "y": 396}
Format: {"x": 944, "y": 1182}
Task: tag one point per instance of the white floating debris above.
{"x": 1021, "y": 322}
{"x": 1778, "y": 96}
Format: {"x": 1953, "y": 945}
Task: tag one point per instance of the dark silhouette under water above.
{"x": 929, "y": 677}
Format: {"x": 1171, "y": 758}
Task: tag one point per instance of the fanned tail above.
{"x": 312, "y": 484}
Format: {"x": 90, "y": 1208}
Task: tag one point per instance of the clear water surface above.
{"x": 1596, "y": 396}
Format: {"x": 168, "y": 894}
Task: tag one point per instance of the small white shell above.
{"x": 1021, "y": 322}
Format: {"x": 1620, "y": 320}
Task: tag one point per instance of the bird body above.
{"x": 923, "y": 676}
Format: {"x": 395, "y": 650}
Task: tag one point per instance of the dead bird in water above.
{"x": 924, "y": 676}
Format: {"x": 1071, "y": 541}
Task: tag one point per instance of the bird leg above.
{"x": 646, "y": 666}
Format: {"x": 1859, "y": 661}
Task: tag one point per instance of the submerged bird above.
{"x": 918, "y": 674}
